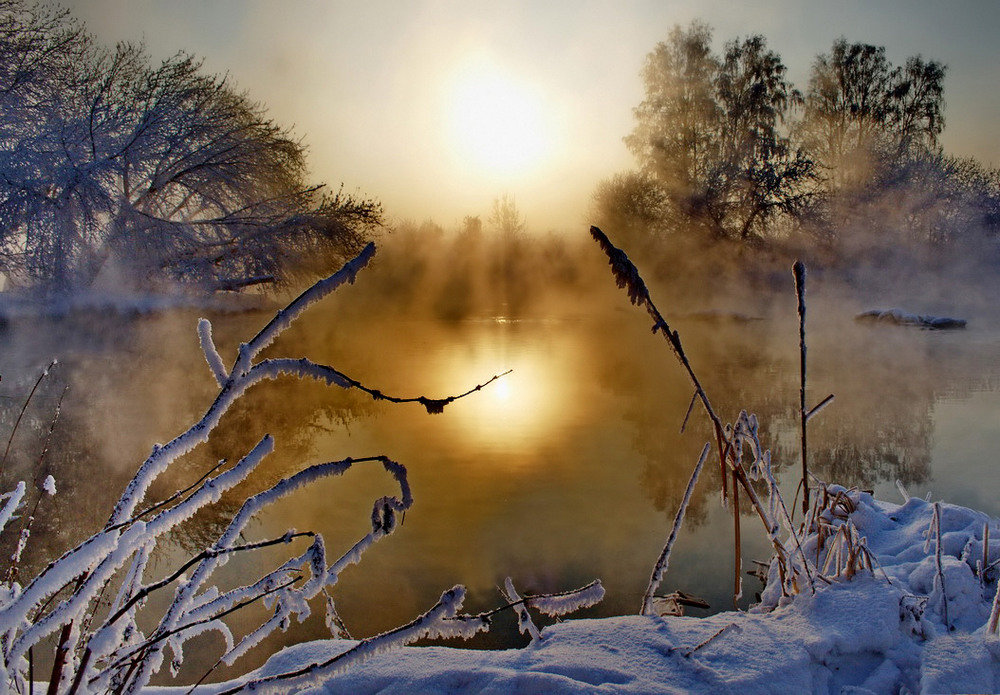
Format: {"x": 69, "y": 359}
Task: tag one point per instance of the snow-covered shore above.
{"x": 889, "y": 630}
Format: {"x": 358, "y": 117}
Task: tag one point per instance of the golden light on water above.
{"x": 517, "y": 411}
{"x": 497, "y": 122}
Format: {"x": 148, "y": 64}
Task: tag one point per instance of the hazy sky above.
{"x": 383, "y": 92}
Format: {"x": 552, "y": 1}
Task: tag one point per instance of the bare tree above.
{"x": 506, "y": 219}
{"x": 165, "y": 172}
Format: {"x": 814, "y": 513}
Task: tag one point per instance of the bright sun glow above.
{"x": 497, "y": 122}
{"x": 514, "y": 413}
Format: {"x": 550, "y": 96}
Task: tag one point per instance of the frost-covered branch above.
{"x": 284, "y": 318}
{"x": 117, "y": 654}
{"x": 433, "y": 623}
{"x": 525, "y": 625}
{"x": 212, "y": 355}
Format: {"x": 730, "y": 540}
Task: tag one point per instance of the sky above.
{"x": 417, "y": 103}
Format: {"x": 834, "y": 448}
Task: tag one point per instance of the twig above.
{"x": 306, "y": 368}
{"x": 991, "y": 624}
{"x": 167, "y": 633}
{"x": 818, "y": 407}
{"x": 39, "y": 467}
{"x": 704, "y": 642}
{"x": 419, "y": 626}
{"x": 986, "y": 548}
{"x": 41, "y": 377}
{"x": 527, "y": 598}
{"x": 211, "y": 552}
{"x": 737, "y": 546}
{"x": 936, "y": 520}
{"x": 694, "y": 398}
{"x": 525, "y": 625}
{"x": 168, "y": 500}
{"x": 62, "y": 651}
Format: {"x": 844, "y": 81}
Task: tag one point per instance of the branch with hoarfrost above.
{"x": 443, "y": 620}
{"x": 212, "y": 355}
{"x": 525, "y": 625}
{"x": 439, "y": 621}
{"x": 105, "y": 648}
{"x": 557, "y": 603}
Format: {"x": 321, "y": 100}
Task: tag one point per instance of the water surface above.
{"x": 568, "y": 469}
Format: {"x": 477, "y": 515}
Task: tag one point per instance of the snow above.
{"x": 49, "y": 485}
{"x": 868, "y": 632}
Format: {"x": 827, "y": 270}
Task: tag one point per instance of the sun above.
{"x": 496, "y": 121}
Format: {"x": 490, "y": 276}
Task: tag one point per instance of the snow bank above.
{"x": 874, "y": 631}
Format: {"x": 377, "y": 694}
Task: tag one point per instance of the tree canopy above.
{"x": 709, "y": 131}
{"x": 863, "y": 115}
{"x": 113, "y": 164}
{"x": 727, "y": 148}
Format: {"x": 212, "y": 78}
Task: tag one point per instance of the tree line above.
{"x": 728, "y": 148}
{"x": 114, "y": 165}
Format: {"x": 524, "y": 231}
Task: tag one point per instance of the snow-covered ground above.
{"x": 896, "y": 628}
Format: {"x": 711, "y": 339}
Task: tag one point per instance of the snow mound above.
{"x": 897, "y": 628}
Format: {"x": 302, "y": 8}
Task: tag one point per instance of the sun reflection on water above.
{"x": 515, "y": 412}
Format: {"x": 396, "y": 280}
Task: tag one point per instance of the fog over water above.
{"x": 568, "y": 469}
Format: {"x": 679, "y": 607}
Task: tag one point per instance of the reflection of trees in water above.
{"x": 879, "y": 428}
{"x": 132, "y": 382}
{"x": 137, "y": 381}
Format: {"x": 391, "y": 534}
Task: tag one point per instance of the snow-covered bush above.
{"x": 103, "y": 648}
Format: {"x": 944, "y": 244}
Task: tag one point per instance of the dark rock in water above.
{"x": 898, "y": 317}
{"x": 718, "y": 316}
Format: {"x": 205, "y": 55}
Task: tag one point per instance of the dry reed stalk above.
{"x": 799, "y": 271}
{"x": 694, "y": 399}
{"x": 991, "y": 624}
{"x": 737, "y": 546}
{"x": 627, "y": 277}
{"x": 661, "y": 563}
{"x": 936, "y": 523}
{"x": 715, "y": 635}
{"x": 986, "y": 548}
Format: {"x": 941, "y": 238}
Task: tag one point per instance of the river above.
{"x": 568, "y": 469}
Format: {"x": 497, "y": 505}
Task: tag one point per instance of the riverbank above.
{"x": 915, "y": 622}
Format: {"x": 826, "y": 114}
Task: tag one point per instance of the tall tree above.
{"x": 506, "y": 219}
{"x": 759, "y": 172}
{"x": 863, "y": 115}
{"x": 677, "y": 123}
{"x": 710, "y": 131}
